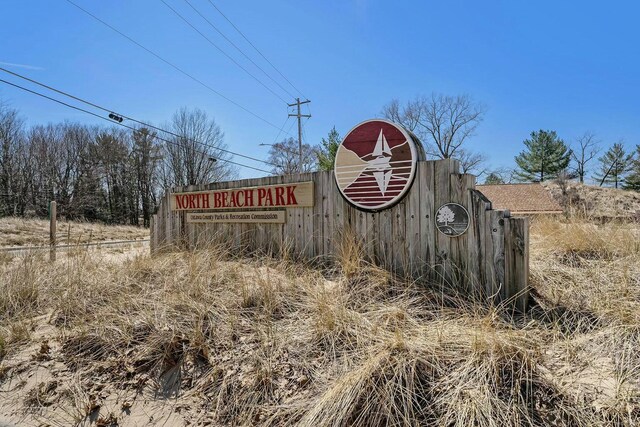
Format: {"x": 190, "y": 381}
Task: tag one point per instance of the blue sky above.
{"x": 566, "y": 66}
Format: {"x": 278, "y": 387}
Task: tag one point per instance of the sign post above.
{"x": 52, "y": 231}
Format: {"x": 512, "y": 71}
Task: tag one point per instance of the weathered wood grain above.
{"x": 490, "y": 260}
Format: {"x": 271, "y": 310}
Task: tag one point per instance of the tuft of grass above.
{"x": 16, "y": 231}
{"x": 581, "y": 239}
{"x": 20, "y": 289}
{"x": 261, "y": 341}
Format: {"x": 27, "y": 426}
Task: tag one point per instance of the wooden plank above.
{"x": 412, "y": 231}
{"x": 152, "y": 234}
{"x": 508, "y": 289}
{"x": 399, "y": 239}
{"x": 330, "y": 222}
{"x": 477, "y": 241}
{"x": 326, "y": 201}
{"x": 339, "y": 220}
{"x": 494, "y": 249}
{"x": 188, "y": 229}
{"x": 385, "y": 242}
{"x": 427, "y": 244}
{"x": 442, "y": 195}
{"x": 471, "y": 238}
{"x": 272, "y": 234}
{"x": 317, "y": 213}
{"x": 516, "y": 261}
{"x": 299, "y": 229}
{"x": 307, "y": 212}
{"x": 458, "y": 247}
{"x": 366, "y": 234}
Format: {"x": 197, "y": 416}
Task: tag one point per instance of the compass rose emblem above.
{"x": 380, "y": 163}
{"x": 375, "y": 164}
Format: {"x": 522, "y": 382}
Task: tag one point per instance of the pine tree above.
{"x": 493, "y": 178}
{"x": 327, "y": 151}
{"x": 545, "y": 157}
{"x": 632, "y": 182}
{"x": 614, "y": 165}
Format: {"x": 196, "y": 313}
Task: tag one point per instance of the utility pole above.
{"x": 298, "y": 103}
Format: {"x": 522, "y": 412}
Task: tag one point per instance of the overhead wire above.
{"x": 200, "y": 82}
{"x": 238, "y": 48}
{"x": 128, "y": 117}
{"x": 256, "y": 49}
{"x": 186, "y": 21}
{"x": 304, "y": 132}
{"x": 293, "y": 122}
{"x": 121, "y": 124}
{"x": 283, "y": 125}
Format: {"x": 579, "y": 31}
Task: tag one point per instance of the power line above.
{"x": 128, "y": 117}
{"x": 121, "y": 124}
{"x": 283, "y": 125}
{"x": 291, "y": 126}
{"x": 304, "y": 131}
{"x": 256, "y": 49}
{"x": 238, "y": 49}
{"x": 200, "y": 82}
{"x": 222, "y": 51}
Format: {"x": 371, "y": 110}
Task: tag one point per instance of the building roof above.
{"x": 520, "y": 198}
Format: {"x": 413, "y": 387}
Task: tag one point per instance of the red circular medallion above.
{"x": 375, "y": 164}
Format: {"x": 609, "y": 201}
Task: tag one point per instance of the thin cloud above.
{"x": 28, "y": 67}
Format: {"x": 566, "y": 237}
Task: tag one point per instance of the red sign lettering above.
{"x": 261, "y": 193}
{"x": 299, "y": 194}
{"x": 279, "y": 196}
{"x": 291, "y": 196}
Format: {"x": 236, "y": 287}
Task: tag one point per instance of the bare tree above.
{"x": 11, "y": 142}
{"x": 146, "y": 156}
{"x": 443, "y": 123}
{"x": 104, "y": 174}
{"x": 586, "y": 149}
{"x": 113, "y": 149}
{"x": 197, "y": 155}
{"x": 471, "y": 162}
{"x": 285, "y": 156}
{"x": 56, "y": 158}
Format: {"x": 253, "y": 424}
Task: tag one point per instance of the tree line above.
{"x": 103, "y": 173}
{"x": 117, "y": 176}
{"x": 546, "y": 156}
{"x": 446, "y": 124}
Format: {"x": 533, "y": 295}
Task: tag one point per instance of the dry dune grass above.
{"x": 15, "y": 231}
{"x": 591, "y": 201}
{"x": 207, "y": 338}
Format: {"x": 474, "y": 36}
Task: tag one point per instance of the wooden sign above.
{"x": 375, "y": 164}
{"x": 237, "y": 217}
{"x": 443, "y": 230}
{"x": 294, "y": 195}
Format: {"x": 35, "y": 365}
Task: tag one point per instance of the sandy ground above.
{"x": 39, "y": 375}
{"x": 44, "y": 384}
{"x": 598, "y": 202}
{"x": 35, "y": 232}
